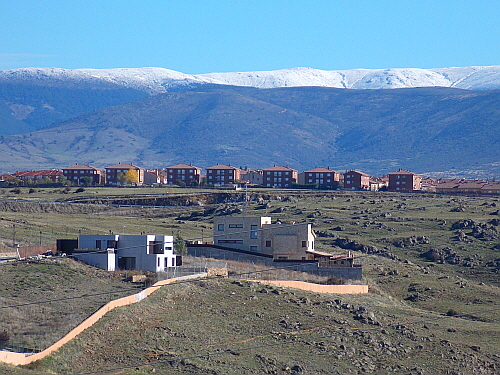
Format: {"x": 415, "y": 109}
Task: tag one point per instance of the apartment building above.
{"x": 356, "y": 180}
{"x": 404, "y": 181}
{"x": 279, "y": 177}
{"x": 222, "y": 175}
{"x": 183, "y": 174}
{"x": 115, "y": 174}
{"x": 324, "y": 178}
{"x": 76, "y": 172}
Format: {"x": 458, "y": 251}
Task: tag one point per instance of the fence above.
{"x": 23, "y": 359}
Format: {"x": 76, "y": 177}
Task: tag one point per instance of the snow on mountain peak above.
{"x": 159, "y": 80}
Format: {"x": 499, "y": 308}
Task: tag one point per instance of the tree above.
{"x": 131, "y": 177}
{"x": 87, "y": 180}
{"x": 120, "y": 177}
{"x": 64, "y": 181}
{"x": 180, "y": 247}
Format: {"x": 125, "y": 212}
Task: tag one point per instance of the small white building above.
{"x": 128, "y": 252}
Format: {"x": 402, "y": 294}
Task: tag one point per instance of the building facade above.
{"x": 183, "y": 174}
{"x": 404, "y": 181}
{"x": 127, "y": 252}
{"x": 50, "y": 175}
{"x": 76, "y": 172}
{"x": 115, "y": 174}
{"x": 259, "y": 235}
{"x": 324, "y": 178}
{"x": 252, "y": 177}
{"x": 356, "y": 180}
{"x": 222, "y": 175}
{"x": 279, "y": 177}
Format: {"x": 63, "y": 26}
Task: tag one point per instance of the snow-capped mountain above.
{"x": 158, "y": 80}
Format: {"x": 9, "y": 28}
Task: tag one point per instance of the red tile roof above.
{"x": 279, "y": 168}
{"x": 320, "y": 170}
{"x": 183, "y": 166}
{"x": 124, "y": 166}
{"x": 403, "y": 171}
{"x": 222, "y": 166}
{"x": 82, "y": 167}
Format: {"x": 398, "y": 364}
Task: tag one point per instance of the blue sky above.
{"x": 226, "y": 36}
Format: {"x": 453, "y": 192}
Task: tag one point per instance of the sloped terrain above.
{"x": 431, "y": 262}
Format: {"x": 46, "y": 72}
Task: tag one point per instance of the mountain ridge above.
{"x": 377, "y": 131}
{"x": 158, "y": 80}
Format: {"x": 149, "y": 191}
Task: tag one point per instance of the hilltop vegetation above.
{"x": 431, "y": 262}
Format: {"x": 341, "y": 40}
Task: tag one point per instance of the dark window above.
{"x": 253, "y": 231}
{"x": 220, "y": 227}
{"x": 268, "y": 243}
{"x": 304, "y": 243}
{"x": 235, "y": 225}
{"x": 230, "y": 241}
{"x": 97, "y": 244}
{"x": 155, "y": 247}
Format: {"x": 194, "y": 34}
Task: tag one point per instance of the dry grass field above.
{"x": 432, "y": 264}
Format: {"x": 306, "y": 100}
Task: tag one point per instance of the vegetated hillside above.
{"x": 29, "y": 106}
{"x": 27, "y": 315}
{"x": 431, "y": 263}
{"x": 425, "y": 130}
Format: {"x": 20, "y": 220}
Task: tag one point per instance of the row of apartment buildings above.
{"x": 222, "y": 175}
{"x": 273, "y": 177}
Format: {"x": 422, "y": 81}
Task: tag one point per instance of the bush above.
{"x": 451, "y": 312}
{"x": 333, "y": 280}
{"x": 80, "y": 190}
{"x": 4, "y": 339}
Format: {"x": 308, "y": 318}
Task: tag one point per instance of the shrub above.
{"x": 333, "y": 280}
{"x": 4, "y": 339}
{"x": 451, "y": 312}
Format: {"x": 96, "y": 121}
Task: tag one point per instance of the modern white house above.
{"x": 128, "y": 252}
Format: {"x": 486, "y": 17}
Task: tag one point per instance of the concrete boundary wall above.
{"x": 24, "y": 359}
{"x": 318, "y": 288}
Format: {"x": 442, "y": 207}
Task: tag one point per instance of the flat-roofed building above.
{"x": 260, "y": 235}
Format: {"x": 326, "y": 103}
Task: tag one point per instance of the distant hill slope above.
{"x": 41, "y": 99}
{"x": 377, "y": 131}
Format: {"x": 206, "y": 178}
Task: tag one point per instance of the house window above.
{"x": 268, "y": 243}
{"x": 235, "y": 225}
{"x": 230, "y": 241}
{"x": 220, "y": 227}
{"x": 253, "y": 231}
{"x": 304, "y": 243}
{"x": 97, "y": 244}
{"x": 254, "y": 248}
